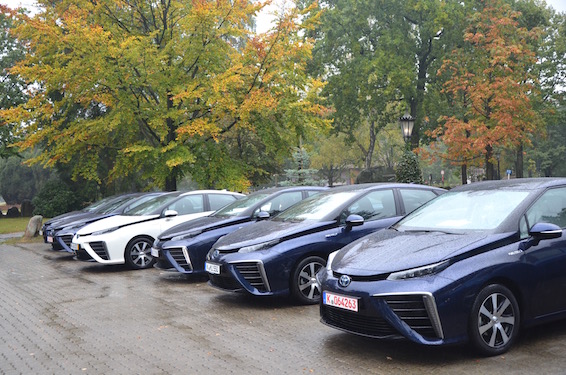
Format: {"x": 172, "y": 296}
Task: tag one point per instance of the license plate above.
{"x": 154, "y": 252}
{"x": 75, "y": 246}
{"x": 212, "y": 268}
{"x": 341, "y": 302}
{"x": 50, "y": 239}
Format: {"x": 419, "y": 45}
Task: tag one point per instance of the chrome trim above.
{"x": 261, "y": 271}
{"x": 430, "y": 305}
{"x": 185, "y": 251}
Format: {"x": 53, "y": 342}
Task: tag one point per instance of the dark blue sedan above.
{"x": 183, "y": 248}
{"x": 281, "y": 256}
{"x": 476, "y": 264}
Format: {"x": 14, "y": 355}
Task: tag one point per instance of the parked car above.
{"x": 95, "y": 207}
{"x": 281, "y": 256}
{"x": 63, "y": 231}
{"x": 127, "y": 238}
{"x": 183, "y": 248}
{"x": 476, "y": 264}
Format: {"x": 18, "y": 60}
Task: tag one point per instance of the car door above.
{"x": 548, "y": 257}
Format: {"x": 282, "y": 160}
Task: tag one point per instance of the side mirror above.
{"x": 262, "y": 215}
{"x": 545, "y": 231}
{"x": 170, "y": 213}
{"x": 354, "y": 221}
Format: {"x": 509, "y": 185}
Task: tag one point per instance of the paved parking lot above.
{"x": 61, "y": 316}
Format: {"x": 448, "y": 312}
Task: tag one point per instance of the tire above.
{"x": 304, "y": 287}
{"x": 494, "y": 320}
{"x": 138, "y": 253}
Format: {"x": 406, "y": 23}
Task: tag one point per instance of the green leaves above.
{"x": 150, "y": 85}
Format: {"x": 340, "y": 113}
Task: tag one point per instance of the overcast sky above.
{"x": 264, "y": 19}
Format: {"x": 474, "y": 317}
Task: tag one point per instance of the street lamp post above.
{"x": 407, "y": 122}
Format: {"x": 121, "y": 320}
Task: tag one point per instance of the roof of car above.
{"x": 385, "y": 185}
{"x": 513, "y": 184}
{"x": 288, "y": 188}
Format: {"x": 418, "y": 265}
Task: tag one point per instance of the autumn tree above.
{"x": 164, "y": 89}
{"x": 378, "y": 58}
{"x": 490, "y": 81}
{"x": 11, "y": 85}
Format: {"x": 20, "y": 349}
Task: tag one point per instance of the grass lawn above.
{"x": 14, "y": 225}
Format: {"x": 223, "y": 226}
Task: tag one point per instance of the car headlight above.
{"x": 259, "y": 246}
{"x": 330, "y": 259}
{"x": 419, "y": 271}
{"x": 185, "y": 236}
{"x": 98, "y": 233}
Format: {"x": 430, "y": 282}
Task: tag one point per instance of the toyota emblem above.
{"x": 344, "y": 281}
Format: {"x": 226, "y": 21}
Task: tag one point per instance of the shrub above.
{"x": 408, "y": 170}
{"x": 55, "y": 198}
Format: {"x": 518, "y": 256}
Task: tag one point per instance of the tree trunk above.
{"x": 489, "y": 169}
{"x": 464, "y": 174}
{"x": 171, "y": 182}
{"x": 519, "y": 162}
{"x": 371, "y": 147}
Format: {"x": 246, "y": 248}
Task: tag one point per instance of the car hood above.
{"x": 79, "y": 220}
{"x": 200, "y": 225}
{"x": 270, "y": 230}
{"x": 71, "y": 216}
{"x": 391, "y": 251}
{"x": 114, "y": 221}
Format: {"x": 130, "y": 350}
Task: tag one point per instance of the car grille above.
{"x": 179, "y": 258}
{"x": 100, "y": 249}
{"x": 67, "y": 239}
{"x": 253, "y": 273}
{"x": 357, "y": 323}
{"x": 412, "y": 310}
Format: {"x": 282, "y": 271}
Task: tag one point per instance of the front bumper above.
{"x": 248, "y": 276}
{"x": 409, "y": 309}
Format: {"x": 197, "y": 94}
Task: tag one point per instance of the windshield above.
{"x": 234, "y": 209}
{"x": 317, "y": 207}
{"x": 463, "y": 211}
{"x": 109, "y": 208}
{"x": 150, "y": 206}
{"x": 101, "y": 205}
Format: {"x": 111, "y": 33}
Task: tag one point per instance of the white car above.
{"x": 127, "y": 238}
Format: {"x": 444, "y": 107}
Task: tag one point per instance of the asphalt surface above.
{"x": 62, "y": 316}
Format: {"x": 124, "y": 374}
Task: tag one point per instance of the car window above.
{"x": 189, "y": 204}
{"x": 414, "y": 198}
{"x": 549, "y": 208}
{"x": 217, "y": 201}
{"x": 280, "y": 203}
{"x": 378, "y": 204}
{"x": 150, "y": 206}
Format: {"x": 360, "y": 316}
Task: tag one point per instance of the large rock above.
{"x": 13, "y": 212}
{"x": 34, "y": 226}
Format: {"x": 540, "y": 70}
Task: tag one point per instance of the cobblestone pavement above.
{"x": 61, "y": 316}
